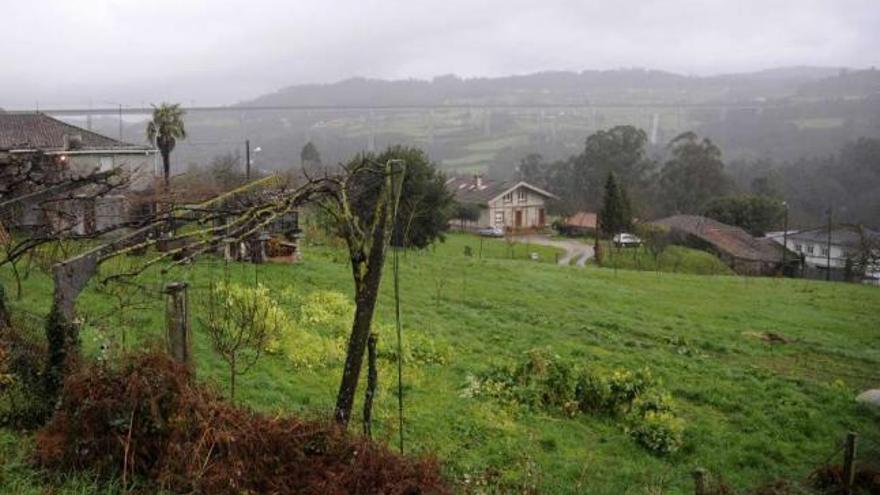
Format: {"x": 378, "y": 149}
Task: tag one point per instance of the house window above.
{"x": 824, "y": 251}
{"x": 499, "y": 218}
{"x": 508, "y": 198}
{"x": 810, "y": 249}
{"x": 521, "y": 195}
{"x": 799, "y": 248}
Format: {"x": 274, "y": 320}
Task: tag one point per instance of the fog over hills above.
{"x": 556, "y": 87}
{"x": 488, "y": 125}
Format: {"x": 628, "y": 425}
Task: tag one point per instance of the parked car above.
{"x": 491, "y": 232}
{"x": 627, "y": 240}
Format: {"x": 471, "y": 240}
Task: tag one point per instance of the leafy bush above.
{"x": 417, "y": 346}
{"x": 295, "y": 341}
{"x": 23, "y": 399}
{"x": 307, "y": 350}
{"x": 613, "y": 393}
{"x": 327, "y": 309}
{"x": 659, "y": 432}
{"x": 319, "y": 335}
{"x": 544, "y": 380}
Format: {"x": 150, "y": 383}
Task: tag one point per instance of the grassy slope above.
{"x": 674, "y": 259}
{"x": 754, "y": 410}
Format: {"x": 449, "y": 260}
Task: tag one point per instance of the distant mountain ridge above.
{"x": 560, "y": 87}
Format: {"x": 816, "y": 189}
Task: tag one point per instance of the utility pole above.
{"x": 828, "y": 249}
{"x": 247, "y": 159}
{"x": 785, "y": 238}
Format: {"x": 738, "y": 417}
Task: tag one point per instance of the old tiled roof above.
{"x": 28, "y": 131}
{"x": 466, "y": 190}
{"x": 727, "y": 239}
{"x": 582, "y": 219}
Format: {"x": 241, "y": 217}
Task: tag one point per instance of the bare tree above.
{"x": 245, "y": 212}
{"x": 41, "y": 202}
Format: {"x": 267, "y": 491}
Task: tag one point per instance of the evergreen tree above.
{"x": 309, "y": 157}
{"x": 615, "y": 216}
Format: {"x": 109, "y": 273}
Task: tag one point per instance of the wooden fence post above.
{"x": 177, "y": 324}
{"x": 849, "y": 462}
{"x": 699, "y": 481}
{"x": 372, "y": 380}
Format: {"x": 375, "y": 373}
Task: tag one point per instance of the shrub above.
{"x": 295, "y": 339}
{"x": 24, "y": 402}
{"x": 613, "y": 393}
{"x": 319, "y": 336}
{"x": 545, "y": 380}
{"x": 417, "y": 346}
{"x": 659, "y": 432}
{"x": 329, "y": 309}
{"x": 306, "y": 350}
{"x": 146, "y": 419}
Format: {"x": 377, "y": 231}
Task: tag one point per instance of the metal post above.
{"x": 828, "y": 253}
{"x": 177, "y": 324}
{"x": 247, "y": 159}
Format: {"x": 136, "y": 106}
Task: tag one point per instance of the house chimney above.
{"x": 478, "y": 180}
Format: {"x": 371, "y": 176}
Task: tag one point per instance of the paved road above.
{"x": 574, "y": 250}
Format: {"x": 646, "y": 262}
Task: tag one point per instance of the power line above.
{"x": 409, "y": 107}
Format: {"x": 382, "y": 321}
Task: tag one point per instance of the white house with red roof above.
{"x": 509, "y": 205}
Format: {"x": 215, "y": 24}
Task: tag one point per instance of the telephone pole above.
{"x": 247, "y": 160}
{"x": 828, "y": 249}
{"x": 785, "y": 237}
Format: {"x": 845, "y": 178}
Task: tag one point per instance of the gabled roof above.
{"x": 727, "y": 239}
{"x": 38, "y": 131}
{"x": 525, "y": 184}
{"x": 466, "y": 190}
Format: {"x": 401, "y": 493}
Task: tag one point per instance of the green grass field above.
{"x": 753, "y": 410}
{"x": 673, "y": 259}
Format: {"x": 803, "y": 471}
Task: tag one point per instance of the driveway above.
{"x": 574, "y": 250}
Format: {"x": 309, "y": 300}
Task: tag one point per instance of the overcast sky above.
{"x": 73, "y": 52}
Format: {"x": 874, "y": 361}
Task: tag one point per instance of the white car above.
{"x": 491, "y": 232}
{"x": 627, "y": 240}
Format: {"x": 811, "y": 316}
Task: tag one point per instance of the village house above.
{"x": 507, "y": 205}
{"x": 743, "y": 253}
{"x": 76, "y": 152}
{"x": 848, "y": 245}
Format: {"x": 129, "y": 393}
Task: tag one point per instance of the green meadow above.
{"x": 762, "y": 372}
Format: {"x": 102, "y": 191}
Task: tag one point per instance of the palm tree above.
{"x": 164, "y": 131}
